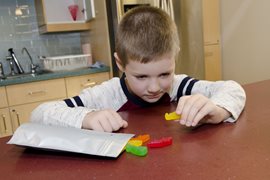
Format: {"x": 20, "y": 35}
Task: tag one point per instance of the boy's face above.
{"x": 150, "y": 81}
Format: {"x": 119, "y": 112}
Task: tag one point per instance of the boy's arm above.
{"x": 225, "y": 94}
{"x": 68, "y": 112}
{"x": 197, "y": 109}
{"x": 58, "y": 113}
{"x": 228, "y": 95}
{"x": 72, "y": 111}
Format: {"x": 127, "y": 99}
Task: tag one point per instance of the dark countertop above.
{"x": 52, "y": 75}
{"x": 226, "y": 151}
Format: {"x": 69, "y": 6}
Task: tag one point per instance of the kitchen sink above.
{"x": 24, "y": 75}
{"x": 19, "y": 76}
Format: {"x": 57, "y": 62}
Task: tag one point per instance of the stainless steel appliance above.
{"x": 122, "y": 6}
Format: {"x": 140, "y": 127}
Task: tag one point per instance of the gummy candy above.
{"x": 144, "y": 138}
{"x": 137, "y": 150}
{"x": 172, "y": 116}
{"x": 165, "y": 141}
{"x": 135, "y": 142}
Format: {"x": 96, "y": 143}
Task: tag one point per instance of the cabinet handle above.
{"x": 36, "y": 92}
{"x": 18, "y": 117}
{"x": 206, "y": 43}
{"x": 4, "y": 120}
{"x": 90, "y": 84}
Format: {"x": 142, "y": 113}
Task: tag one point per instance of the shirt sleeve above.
{"x": 226, "y": 94}
{"x": 58, "y": 113}
{"x": 71, "y": 111}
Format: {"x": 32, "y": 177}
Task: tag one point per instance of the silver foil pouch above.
{"x": 70, "y": 139}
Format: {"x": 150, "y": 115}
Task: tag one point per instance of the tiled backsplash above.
{"x": 22, "y": 31}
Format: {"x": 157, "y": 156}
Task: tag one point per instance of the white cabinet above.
{"x": 55, "y": 16}
{"x": 58, "y": 12}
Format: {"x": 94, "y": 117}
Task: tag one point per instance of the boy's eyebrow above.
{"x": 167, "y": 72}
{"x": 136, "y": 74}
{"x": 144, "y": 74}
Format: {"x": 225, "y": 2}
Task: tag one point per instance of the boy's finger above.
{"x": 125, "y": 124}
{"x": 97, "y": 126}
{"x": 180, "y": 105}
{"x": 106, "y": 125}
{"x": 198, "y": 104}
{"x": 200, "y": 115}
{"x": 116, "y": 121}
{"x": 114, "y": 124}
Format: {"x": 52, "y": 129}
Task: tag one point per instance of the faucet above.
{"x": 11, "y": 64}
{"x": 2, "y": 76}
{"x": 17, "y": 64}
{"x": 33, "y": 67}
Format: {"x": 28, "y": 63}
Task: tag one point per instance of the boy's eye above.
{"x": 141, "y": 77}
{"x": 164, "y": 74}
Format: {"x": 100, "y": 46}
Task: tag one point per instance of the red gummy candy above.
{"x": 165, "y": 141}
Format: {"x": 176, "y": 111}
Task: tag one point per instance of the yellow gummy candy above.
{"x": 135, "y": 142}
{"x": 172, "y": 116}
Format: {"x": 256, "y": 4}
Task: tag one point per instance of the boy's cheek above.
{"x": 167, "y": 85}
{"x": 137, "y": 88}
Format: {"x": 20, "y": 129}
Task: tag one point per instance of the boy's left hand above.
{"x": 197, "y": 109}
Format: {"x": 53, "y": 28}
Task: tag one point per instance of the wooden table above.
{"x": 225, "y": 151}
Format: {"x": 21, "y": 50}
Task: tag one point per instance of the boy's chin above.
{"x": 153, "y": 100}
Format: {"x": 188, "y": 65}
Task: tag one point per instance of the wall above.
{"x": 21, "y": 31}
{"x": 245, "y": 29}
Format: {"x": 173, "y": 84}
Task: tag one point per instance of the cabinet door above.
{"x": 36, "y": 91}
{"x": 58, "y": 11}
{"x": 21, "y": 114}
{"x": 211, "y": 21}
{"x": 76, "y": 84}
{"x": 5, "y": 123}
{"x": 55, "y": 16}
{"x": 3, "y": 97}
{"x": 212, "y": 62}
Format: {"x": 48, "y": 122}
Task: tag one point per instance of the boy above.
{"x": 146, "y": 46}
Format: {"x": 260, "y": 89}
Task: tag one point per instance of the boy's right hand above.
{"x": 104, "y": 120}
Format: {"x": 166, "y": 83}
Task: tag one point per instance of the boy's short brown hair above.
{"x": 144, "y": 34}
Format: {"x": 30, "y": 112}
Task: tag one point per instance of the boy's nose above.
{"x": 154, "y": 86}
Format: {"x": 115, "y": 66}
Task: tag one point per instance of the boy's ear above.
{"x": 118, "y": 62}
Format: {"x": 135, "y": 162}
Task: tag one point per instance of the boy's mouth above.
{"x": 154, "y": 96}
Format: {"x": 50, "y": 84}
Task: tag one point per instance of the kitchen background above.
{"x": 18, "y": 31}
{"x": 245, "y": 39}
